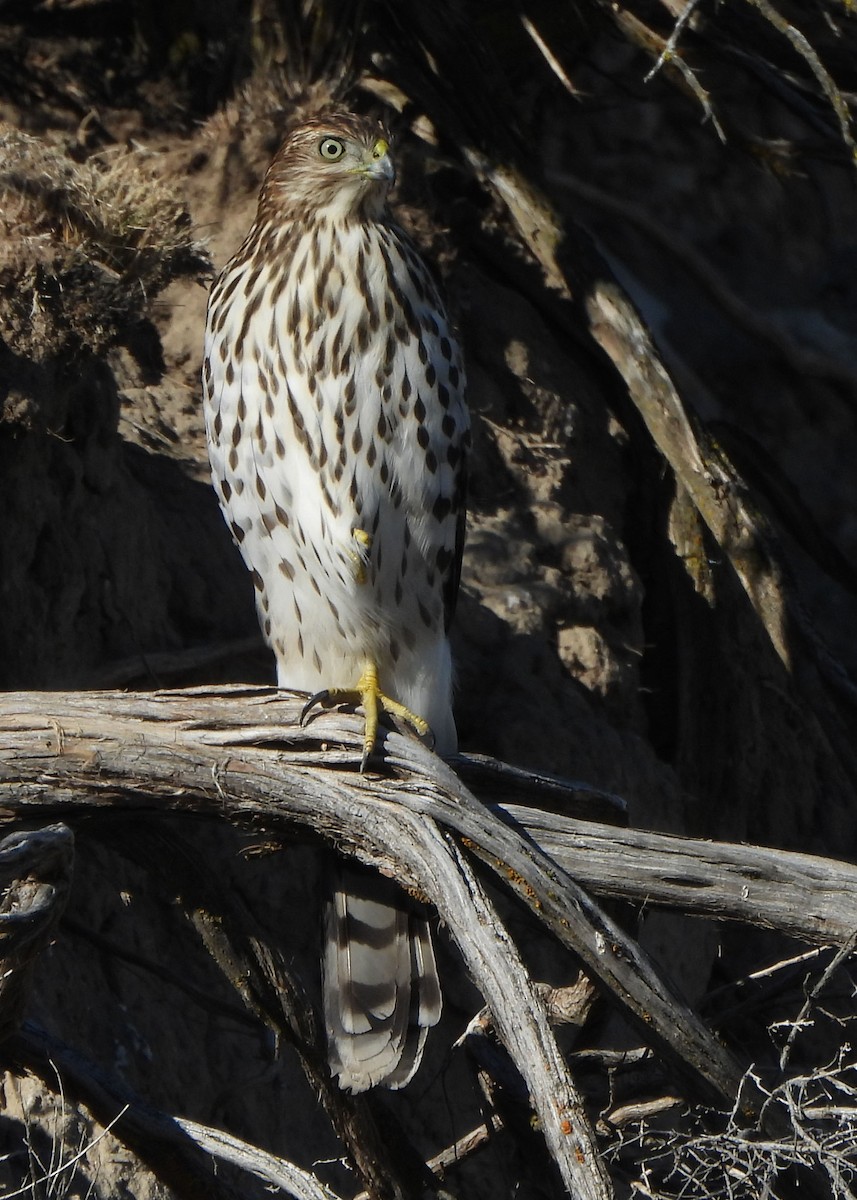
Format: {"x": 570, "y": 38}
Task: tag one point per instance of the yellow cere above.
{"x": 380, "y": 148}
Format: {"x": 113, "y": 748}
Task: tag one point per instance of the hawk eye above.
{"x": 331, "y": 149}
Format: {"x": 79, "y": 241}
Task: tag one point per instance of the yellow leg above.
{"x": 368, "y": 694}
{"x": 361, "y": 556}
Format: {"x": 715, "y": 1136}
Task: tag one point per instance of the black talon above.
{"x": 316, "y": 698}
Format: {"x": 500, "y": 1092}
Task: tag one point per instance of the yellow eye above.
{"x": 331, "y": 149}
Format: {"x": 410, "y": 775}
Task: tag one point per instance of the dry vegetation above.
{"x": 659, "y": 593}
{"x": 87, "y": 247}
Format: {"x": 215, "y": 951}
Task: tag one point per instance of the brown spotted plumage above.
{"x": 337, "y": 431}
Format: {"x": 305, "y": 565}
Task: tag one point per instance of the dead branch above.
{"x": 179, "y": 1150}
{"x": 249, "y": 759}
{"x": 711, "y": 491}
{"x": 805, "y": 896}
{"x": 257, "y": 970}
{"x": 237, "y": 754}
{"x": 221, "y": 759}
{"x": 35, "y": 878}
{"x": 813, "y": 1147}
{"x": 803, "y": 46}
{"x": 618, "y": 329}
{"x": 152, "y": 1135}
{"x": 284, "y": 1175}
{"x": 519, "y": 1011}
{"x": 813, "y": 994}
{"x": 462, "y": 1148}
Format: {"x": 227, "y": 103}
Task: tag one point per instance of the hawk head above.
{"x": 338, "y": 164}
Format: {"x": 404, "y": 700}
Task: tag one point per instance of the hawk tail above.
{"x": 380, "y": 985}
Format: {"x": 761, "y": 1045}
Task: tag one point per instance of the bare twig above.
{"x": 548, "y": 55}
{"x": 461, "y": 1148}
{"x": 815, "y": 991}
{"x": 805, "y": 49}
{"x": 658, "y": 48}
{"x": 670, "y": 47}
{"x": 734, "y": 1160}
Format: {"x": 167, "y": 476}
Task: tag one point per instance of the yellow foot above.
{"x": 373, "y": 700}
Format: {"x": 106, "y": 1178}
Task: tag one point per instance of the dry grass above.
{"x": 84, "y": 247}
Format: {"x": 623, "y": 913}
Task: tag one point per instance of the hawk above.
{"x": 338, "y": 435}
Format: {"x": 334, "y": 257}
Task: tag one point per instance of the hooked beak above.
{"x": 378, "y": 166}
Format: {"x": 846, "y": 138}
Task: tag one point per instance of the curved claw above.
{"x": 316, "y": 698}
{"x": 368, "y": 694}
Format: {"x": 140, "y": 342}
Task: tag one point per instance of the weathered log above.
{"x": 803, "y": 895}
{"x": 249, "y": 758}
{"x": 238, "y": 754}
{"x": 193, "y": 751}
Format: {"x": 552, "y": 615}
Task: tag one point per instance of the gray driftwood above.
{"x": 237, "y": 753}
{"x": 803, "y": 895}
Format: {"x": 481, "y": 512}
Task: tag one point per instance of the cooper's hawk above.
{"x": 337, "y": 432}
